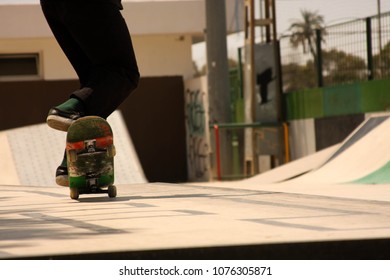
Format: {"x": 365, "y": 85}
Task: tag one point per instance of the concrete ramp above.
{"x": 30, "y": 155}
{"x": 364, "y": 157}
{"x": 309, "y": 217}
{"x": 174, "y": 221}
{"x": 293, "y": 169}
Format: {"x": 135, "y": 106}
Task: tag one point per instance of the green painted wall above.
{"x": 363, "y": 97}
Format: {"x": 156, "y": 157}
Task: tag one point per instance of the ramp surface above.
{"x": 362, "y": 158}
{"x": 184, "y": 222}
{"x": 31, "y": 154}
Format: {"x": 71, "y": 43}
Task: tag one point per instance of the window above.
{"x": 19, "y": 67}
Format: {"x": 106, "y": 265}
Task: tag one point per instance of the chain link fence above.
{"x": 353, "y": 51}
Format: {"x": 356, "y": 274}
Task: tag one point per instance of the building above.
{"x": 38, "y": 76}
{"x": 162, "y": 32}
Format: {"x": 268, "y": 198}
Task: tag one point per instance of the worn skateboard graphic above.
{"x": 90, "y": 155}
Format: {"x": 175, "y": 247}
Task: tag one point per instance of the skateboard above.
{"x": 90, "y": 154}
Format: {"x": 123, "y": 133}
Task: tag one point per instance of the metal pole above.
{"x": 218, "y": 73}
{"x": 218, "y": 152}
{"x": 380, "y": 36}
{"x": 370, "y": 64}
{"x": 250, "y": 163}
{"x": 319, "y": 59}
{"x": 267, "y": 16}
{"x": 217, "y": 60}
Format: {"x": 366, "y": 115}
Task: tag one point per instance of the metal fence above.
{"x": 353, "y": 51}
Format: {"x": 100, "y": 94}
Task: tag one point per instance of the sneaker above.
{"x": 62, "y": 178}
{"x": 61, "y": 120}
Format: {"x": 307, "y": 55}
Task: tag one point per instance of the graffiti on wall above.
{"x": 195, "y": 112}
{"x": 197, "y": 135}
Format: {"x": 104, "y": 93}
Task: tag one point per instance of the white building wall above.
{"x": 198, "y": 133}
{"x": 143, "y": 18}
{"x": 164, "y": 55}
{"x": 302, "y": 138}
{"x": 161, "y": 30}
{"x": 168, "y": 55}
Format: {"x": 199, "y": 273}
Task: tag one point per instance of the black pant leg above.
{"x": 53, "y": 12}
{"x": 98, "y": 44}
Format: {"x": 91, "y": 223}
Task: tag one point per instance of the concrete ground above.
{"x": 174, "y": 221}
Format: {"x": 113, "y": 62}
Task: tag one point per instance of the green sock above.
{"x": 71, "y": 105}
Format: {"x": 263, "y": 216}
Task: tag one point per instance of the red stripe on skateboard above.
{"x": 101, "y": 142}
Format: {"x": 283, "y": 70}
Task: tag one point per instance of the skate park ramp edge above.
{"x": 363, "y": 157}
{"x": 30, "y": 155}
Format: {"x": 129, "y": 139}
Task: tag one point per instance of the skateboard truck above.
{"x": 90, "y": 154}
{"x": 90, "y": 145}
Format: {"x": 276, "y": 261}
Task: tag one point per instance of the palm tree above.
{"x": 304, "y": 32}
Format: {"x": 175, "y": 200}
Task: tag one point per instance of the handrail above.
{"x": 217, "y": 126}
{"x": 245, "y": 125}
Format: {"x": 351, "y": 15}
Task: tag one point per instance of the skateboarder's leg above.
{"x": 61, "y": 116}
{"x": 95, "y": 39}
{"x": 113, "y": 74}
{"x": 100, "y": 49}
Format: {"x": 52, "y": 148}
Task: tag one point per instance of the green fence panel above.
{"x": 342, "y": 100}
{"x": 305, "y": 104}
{"x": 375, "y": 96}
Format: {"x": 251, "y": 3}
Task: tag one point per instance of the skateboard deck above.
{"x": 90, "y": 154}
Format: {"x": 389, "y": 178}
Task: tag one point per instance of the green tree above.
{"x": 297, "y": 77}
{"x": 304, "y": 31}
{"x": 340, "y": 67}
{"x": 382, "y": 64}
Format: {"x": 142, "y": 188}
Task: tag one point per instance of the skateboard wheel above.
{"x": 72, "y": 155}
{"x": 111, "y": 191}
{"x": 74, "y": 193}
{"x": 111, "y": 151}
